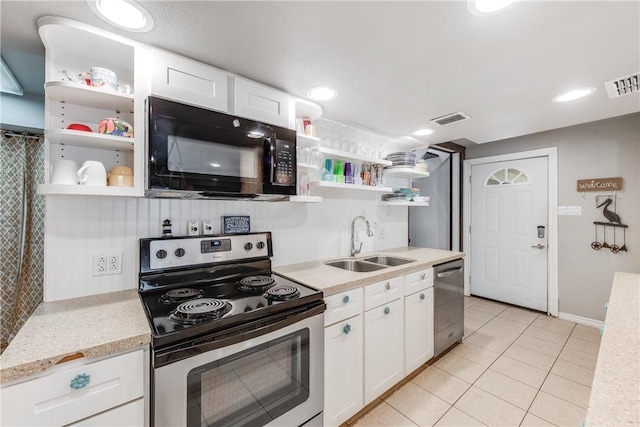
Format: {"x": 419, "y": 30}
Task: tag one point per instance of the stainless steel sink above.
{"x": 355, "y": 265}
{"x": 388, "y": 260}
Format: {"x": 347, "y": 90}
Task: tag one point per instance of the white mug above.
{"x": 92, "y": 173}
{"x": 65, "y": 172}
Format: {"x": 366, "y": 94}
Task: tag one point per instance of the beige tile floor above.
{"x": 515, "y": 367}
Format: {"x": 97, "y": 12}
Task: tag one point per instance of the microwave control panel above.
{"x": 284, "y": 161}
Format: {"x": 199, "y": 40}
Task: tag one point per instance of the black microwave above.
{"x": 195, "y": 153}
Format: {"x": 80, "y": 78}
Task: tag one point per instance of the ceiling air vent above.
{"x": 623, "y": 86}
{"x": 451, "y": 118}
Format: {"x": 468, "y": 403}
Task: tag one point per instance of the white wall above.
{"x": 78, "y": 227}
{"x": 606, "y": 148}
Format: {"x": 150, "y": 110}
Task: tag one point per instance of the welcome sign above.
{"x": 600, "y": 184}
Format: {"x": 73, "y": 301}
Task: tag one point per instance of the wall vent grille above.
{"x": 623, "y": 86}
{"x": 451, "y": 118}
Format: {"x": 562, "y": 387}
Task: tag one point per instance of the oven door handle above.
{"x": 233, "y": 335}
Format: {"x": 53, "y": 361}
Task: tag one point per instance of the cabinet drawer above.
{"x": 74, "y": 393}
{"x": 342, "y": 306}
{"x": 181, "y": 79}
{"x": 128, "y": 415}
{"x": 383, "y": 292}
{"x": 417, "y": 281}
{"x": 261, "y": 103}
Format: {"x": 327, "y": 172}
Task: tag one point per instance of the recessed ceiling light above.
{"x": 321, "y": 93}
{"x": 422, "y": 132}
{"x": 488, "y": 7}
{"x": 574, "y": 94}
{"x": 124, "y": 14}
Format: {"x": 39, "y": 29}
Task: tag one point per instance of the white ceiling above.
{"x": 396, "y": 65}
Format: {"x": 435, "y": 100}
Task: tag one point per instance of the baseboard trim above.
{"x": 579, "y": 319}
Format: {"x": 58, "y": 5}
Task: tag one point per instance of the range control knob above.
{"x": 260, "y": 245}
{"x": 179, "y": 252}
{"x": 161, "y": 254}
{"x": 248, "y": 246}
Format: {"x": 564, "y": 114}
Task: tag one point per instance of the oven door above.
{"x": 274, "y": 379}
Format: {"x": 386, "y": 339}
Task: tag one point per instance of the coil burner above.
{"x": 282, "y": 293}
{"x": 176, "y": 296}
{"x": 200, "y": 310}
{"x": 256, "y": 283}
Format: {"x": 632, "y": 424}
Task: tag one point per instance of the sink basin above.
{"x": 355, "y": 265}
{"x": 388, "y": 260}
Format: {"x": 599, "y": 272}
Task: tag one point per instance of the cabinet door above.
{"x": 418, "y": 280}
{"x": 342, "y": 306}
{"x": 342, "y": 371}
{"x": 383, "y": 348}
{"x": 181, "y": 79}
{"x": 262, "y": 103}
{"x": 418, "y": 329}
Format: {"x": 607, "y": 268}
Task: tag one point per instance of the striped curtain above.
{"x": 22, "y": 235}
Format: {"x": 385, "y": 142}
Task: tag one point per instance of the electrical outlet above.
{"x": 114, "y": 264}
{"x": 99, "y": 264}
{"x": 193, "y": 228}
{"x": 207, "y": 227}
{"x": 104, "y": 264}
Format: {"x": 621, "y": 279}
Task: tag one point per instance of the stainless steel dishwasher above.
{"x": 448, "y": 305}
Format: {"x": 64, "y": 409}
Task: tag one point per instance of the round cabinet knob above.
{"x": 346, "y": 329}
{"x": 260, "y": 245}
{"x": 80, "y": 381}
{"x": 387, "y": 310}
{"x": 345, "y": 299}
{"x": 601, "y": 329}
{"x": 248, "y": 246}
{"x": 161, "y": 254}
{"x": 179, "y": 252}
{"x": 422, "y": 296}
{"x": 422, "y": 276}
{"x": 606, "y": 306}
{"x": 387, "y": 286}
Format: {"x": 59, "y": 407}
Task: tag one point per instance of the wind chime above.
{"x": 613, "y": 223}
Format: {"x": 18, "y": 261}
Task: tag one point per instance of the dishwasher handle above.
{"x": 450, "y": 272}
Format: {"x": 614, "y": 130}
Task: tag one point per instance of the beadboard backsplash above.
{"x": 78, "y": 227}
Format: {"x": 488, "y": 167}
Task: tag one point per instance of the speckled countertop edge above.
{"x": 332, "y": 280}
{"x": 615, "y": 391}
{"x": 94, "y": 326}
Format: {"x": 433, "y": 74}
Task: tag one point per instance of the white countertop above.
{"x": 93, "y": 326}
{"x": 615, "y": 392}
{"x": 333, "y": 280}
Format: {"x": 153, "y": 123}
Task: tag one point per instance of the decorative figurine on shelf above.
{"x": 613, "y": 217}
{"x": 166, "y": 228}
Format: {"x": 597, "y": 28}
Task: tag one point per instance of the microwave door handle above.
{"x": 272, "y": 160}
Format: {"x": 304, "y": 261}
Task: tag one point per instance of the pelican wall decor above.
{"x": 614, "y": 222}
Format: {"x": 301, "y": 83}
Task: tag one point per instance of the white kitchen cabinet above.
{"x": 343, "y": 392}
{"x": 383, "y": 348}
{"x": 418, "y": 329}
{"x": 75, "y": 392}
{"x": 262, "y": 103}
{"x": 184, "y": 80}
{"x": 383, "y": 292}
{"x": 74, "y": 48}
{"x": 342, "y": 306}
{"x": 418, "y": 319}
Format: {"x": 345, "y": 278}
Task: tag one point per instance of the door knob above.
{"x": 539, "y": 246}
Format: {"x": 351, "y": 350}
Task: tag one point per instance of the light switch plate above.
{"x": 570, "y": 210}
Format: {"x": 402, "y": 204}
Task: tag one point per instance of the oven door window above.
{"x": 251, "y": 388}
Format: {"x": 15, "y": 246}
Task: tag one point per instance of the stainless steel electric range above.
{"x": 233, "y": 343}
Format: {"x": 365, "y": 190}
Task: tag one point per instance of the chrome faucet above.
{"x": 355, "y": 251}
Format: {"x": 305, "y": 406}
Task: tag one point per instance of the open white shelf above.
{"x": 352, "y": 157}
{"x": 411, "y": 173}
{"x": 307, "y": 141}
{"x": 305, "y": 199}
{"x": 405, "y": 203}
{"x": 87, "y": 190}
{"x": 73, "y": 93}
{"x": 78, "y": 138}
{"x": 307, "y": 109}
{"x": 327, "y": 184}
{"x": 302, "y": 167}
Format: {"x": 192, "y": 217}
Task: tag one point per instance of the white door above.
{"x": 508, "y": 249}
